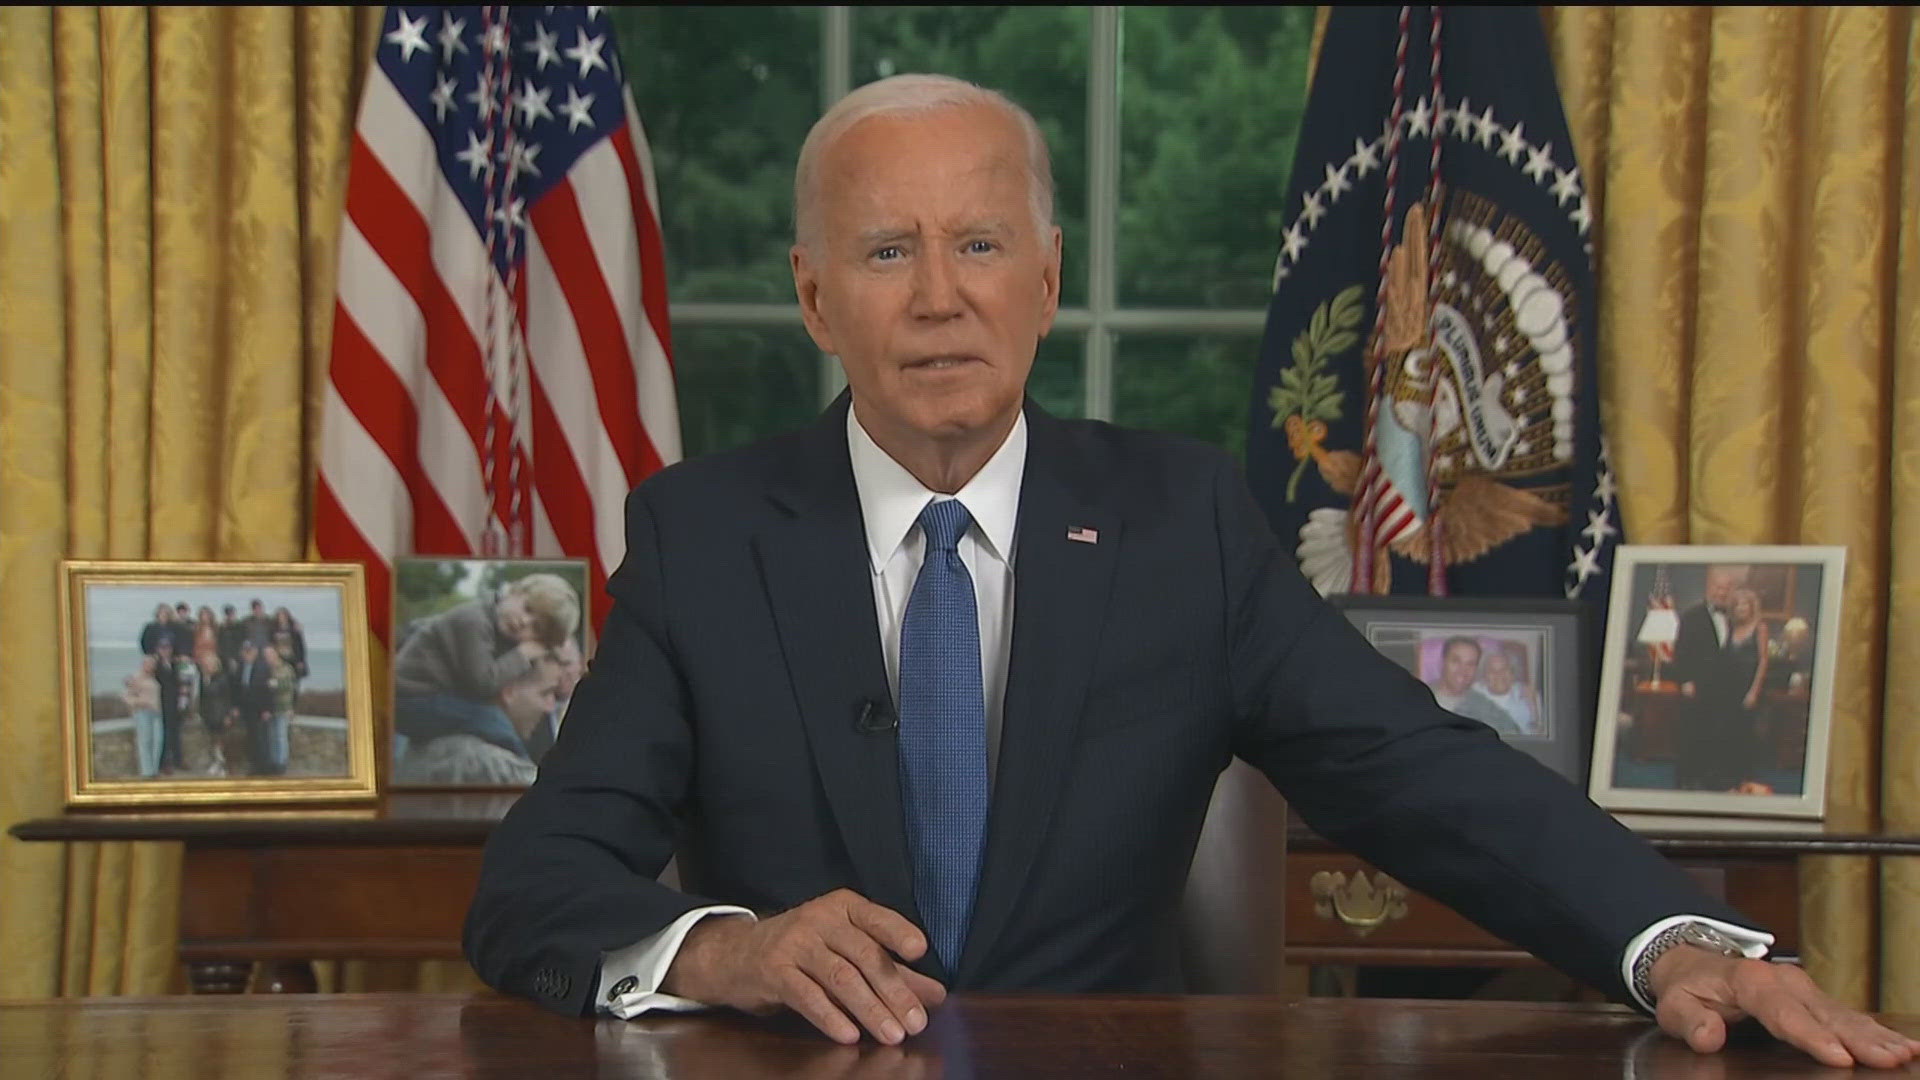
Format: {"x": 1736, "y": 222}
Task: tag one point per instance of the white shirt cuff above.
{"x": 1753, "y": 942}
{"x": 645, "y": 963}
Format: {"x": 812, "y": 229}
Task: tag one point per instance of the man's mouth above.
{"x": 941, "y": 362}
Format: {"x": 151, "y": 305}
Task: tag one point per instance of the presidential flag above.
{"x": 1425, "y": 415}
{"x": 500, "y": 376}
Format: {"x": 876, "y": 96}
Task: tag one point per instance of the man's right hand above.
{"x": 829, "y": 959}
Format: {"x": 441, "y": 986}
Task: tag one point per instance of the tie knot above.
{"x": 943, "y": 523}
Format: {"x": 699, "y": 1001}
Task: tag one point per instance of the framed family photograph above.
{"x": 189, "y": 684}
{"x": 1519, "y": 665}
{"x": 486, "y": 653}
{"x": 1716, "y": 686}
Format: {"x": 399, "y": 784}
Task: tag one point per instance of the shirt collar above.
{"x": 891, "y": 498}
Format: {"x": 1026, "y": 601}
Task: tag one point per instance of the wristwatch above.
{"x": 1697, "y": 934}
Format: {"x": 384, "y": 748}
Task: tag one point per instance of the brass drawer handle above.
{"x": 1362, "y": 904}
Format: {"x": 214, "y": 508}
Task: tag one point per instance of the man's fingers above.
{"x": 884, "y": 975}
{"x": 1870, "y": 1043}
{"x": 1691, "y": 1020}
{"x": 804, "y": 996}
{"x": 929, "y": 991}
{"x": 847, "y": 985}
{"x": 1791, "y": 1021}
{"x": 888, "y": 927}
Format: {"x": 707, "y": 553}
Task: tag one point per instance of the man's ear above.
{"x": 1050, "y": 283}
{"x": 806, "y": 287}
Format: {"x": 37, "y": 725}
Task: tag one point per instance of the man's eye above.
{"x": 980, "y": 247}
{"x": 888, "y": 253}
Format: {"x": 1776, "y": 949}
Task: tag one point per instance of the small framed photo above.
{"x": 1716, "y": 687}
{"x": 1519, "y": 665}
{"x": 486, "y": 653}
{"x": 193, "y": 684}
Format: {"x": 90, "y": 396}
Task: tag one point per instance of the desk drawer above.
{"x": 1341, "y": 910}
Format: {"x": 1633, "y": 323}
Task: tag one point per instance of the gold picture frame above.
{"x": 271, "y": 709}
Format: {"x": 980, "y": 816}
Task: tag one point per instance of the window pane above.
{"x": 1035, "y": 55}
{"x": 1056, "y": 382}
{"x": 740, "y": 384}
{"x": 1186, "y": 383}
{"x": 1211, "y": 99}
{"x": 726, "y": 95}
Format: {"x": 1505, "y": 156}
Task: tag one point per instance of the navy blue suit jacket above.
{"x": 720, "y": 719}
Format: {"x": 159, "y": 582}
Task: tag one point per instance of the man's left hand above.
{"x": 1697, "y": 994}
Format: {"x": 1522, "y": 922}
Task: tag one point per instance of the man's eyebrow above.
{"x": 886, "y": 233}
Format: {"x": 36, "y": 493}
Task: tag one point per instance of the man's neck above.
{"x": 943, "y": 465}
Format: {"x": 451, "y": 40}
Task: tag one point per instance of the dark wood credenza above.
{"x": 393, "y": 882}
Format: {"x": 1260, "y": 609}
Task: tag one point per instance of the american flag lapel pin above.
{"x": 1083, "y": 534}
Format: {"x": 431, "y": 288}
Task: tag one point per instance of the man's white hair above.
{"x": 913, "y": 95}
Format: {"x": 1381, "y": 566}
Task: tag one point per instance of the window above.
{"x": 1171, "y": 130}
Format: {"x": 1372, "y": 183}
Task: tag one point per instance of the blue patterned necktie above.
{"x": 943, "y": 732}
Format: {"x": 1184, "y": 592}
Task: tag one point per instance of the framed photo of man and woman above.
{"x": 1716, "y": 687}
{"x": 200, "y": 683}
{"x": 486, "y": 653}
{"x": 1519, "y": 665}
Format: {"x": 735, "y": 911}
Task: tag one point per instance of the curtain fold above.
{"x": 1753, "y": 171}
{"x": 170, "y": 182}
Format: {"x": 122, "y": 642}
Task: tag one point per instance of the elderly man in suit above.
{"x": 1706, "y": 750}
{"x": 933, "y": 694}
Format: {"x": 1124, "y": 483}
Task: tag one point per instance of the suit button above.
{"x": 622, "y": 988}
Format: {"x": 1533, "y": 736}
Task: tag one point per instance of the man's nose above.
{"x": 936, "y": 290}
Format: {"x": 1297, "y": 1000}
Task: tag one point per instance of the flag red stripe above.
{"x": 602, "y": 337}
{"x": 338, "y": 539}
{"x": 400, "y": 236}
{"x": 569, "y": 505}
{"x": 377, "y": 398}
{"x": 653, "y": 261}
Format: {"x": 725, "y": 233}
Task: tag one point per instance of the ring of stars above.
{"x": 1422, "y": 121}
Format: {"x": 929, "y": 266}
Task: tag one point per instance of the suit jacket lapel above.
{"x": 814, "y": 564}
{"x": 1060, "y": 599}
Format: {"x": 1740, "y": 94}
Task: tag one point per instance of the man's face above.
{"x": 1462, "y": 661}
{"x": 1499, "y": 673}
{"x": 248, "y": 652}
{"x": 927, "y": 277}
{"x": 228, "y": 612}
{"x": 1721, "y": 581}
{"x": 572, "y": 666}
{"x": 527, "y": 700}
{"x": 258, "y": 608}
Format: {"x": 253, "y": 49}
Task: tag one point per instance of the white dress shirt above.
{"x": 890, "y": 503}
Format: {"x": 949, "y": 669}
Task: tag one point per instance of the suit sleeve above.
{"x": 1437, "y": 801}
{"x": 570, "y": 872}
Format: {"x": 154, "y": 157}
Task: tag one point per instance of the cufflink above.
{"x": 622, "y": 988}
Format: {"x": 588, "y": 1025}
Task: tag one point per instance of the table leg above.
{"x": 288, "y": 977}
{"x": 219, "y": 976}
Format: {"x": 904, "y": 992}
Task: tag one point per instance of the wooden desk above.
{"x": 976, "y": 1038}
{"x": 395, "y": 882}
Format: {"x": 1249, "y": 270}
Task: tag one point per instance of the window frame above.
{"x": 1102, "y": 318}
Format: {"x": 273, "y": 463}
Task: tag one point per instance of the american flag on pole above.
{"x": 501, "y": 375}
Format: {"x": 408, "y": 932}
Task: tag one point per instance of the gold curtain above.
{"x": 170, "y": 184}
{"x": 1754, "y": 171}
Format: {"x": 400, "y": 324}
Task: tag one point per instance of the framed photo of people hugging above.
{"x": 230, "y": 684}
{"x": 486, "y": 653}
{"x": 1520, "y": 665}
{"x": 1716, "y": 687}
